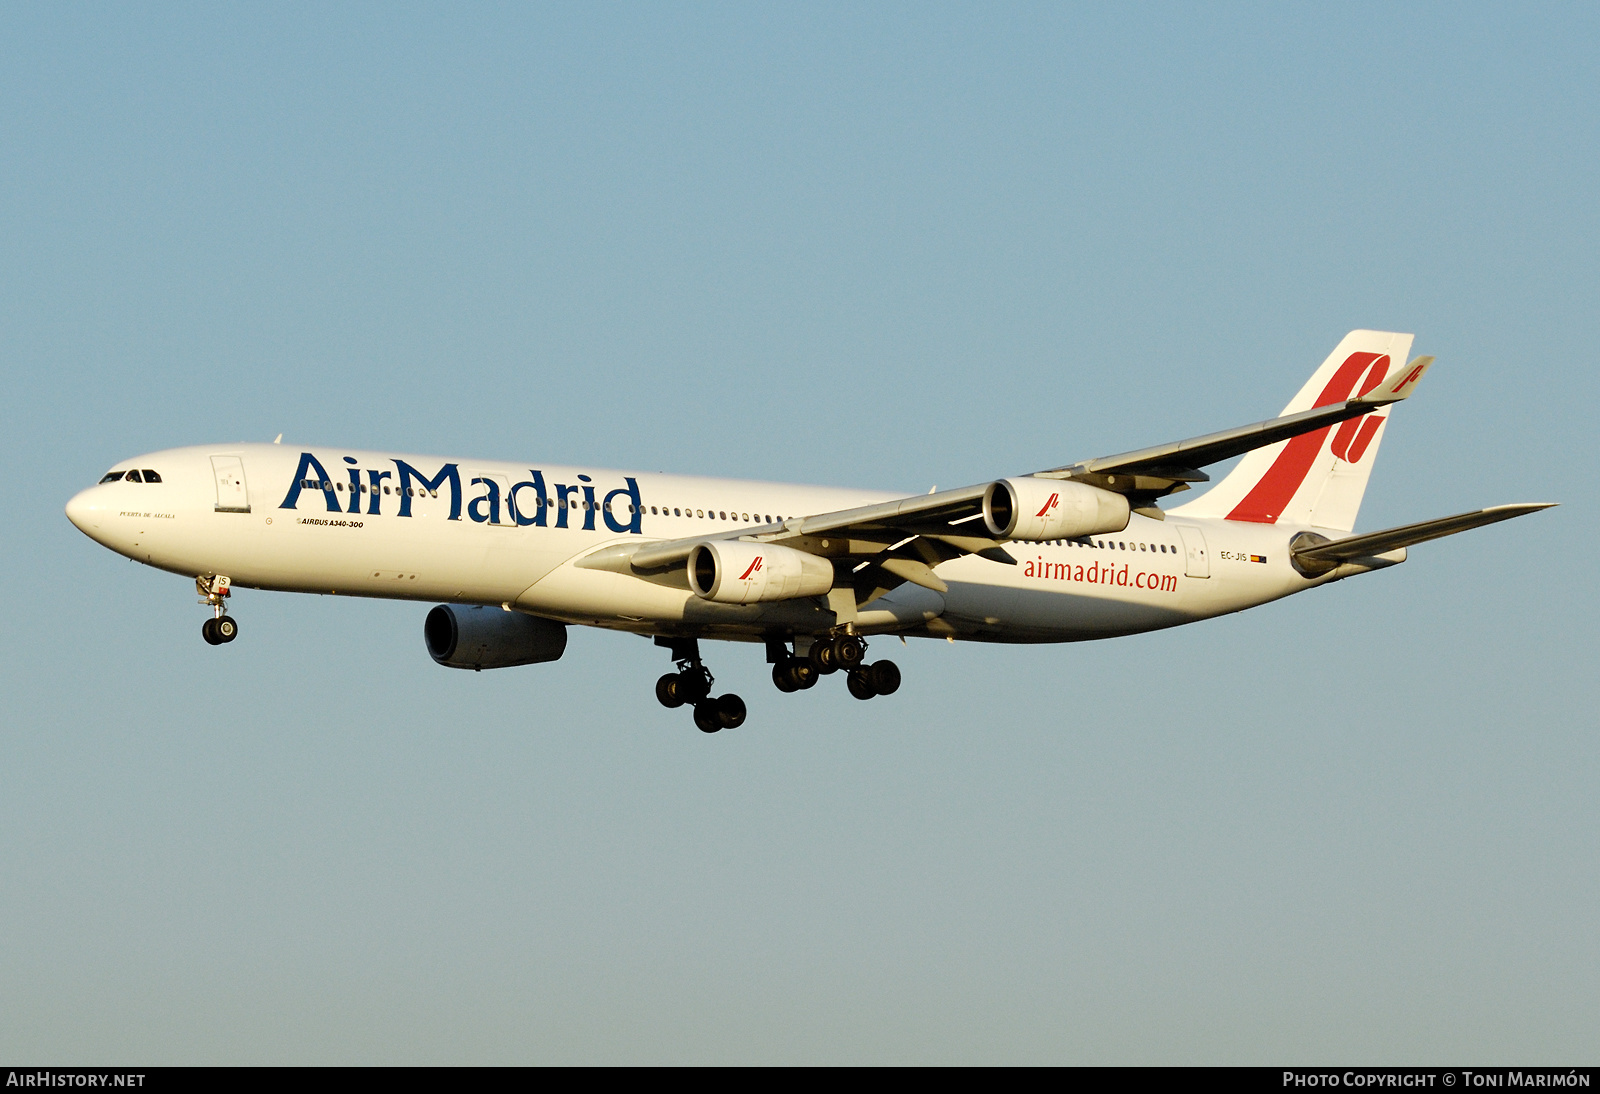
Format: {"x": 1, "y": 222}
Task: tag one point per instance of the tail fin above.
{"x": 1318, "y": 478}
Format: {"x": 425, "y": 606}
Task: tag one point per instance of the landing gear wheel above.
{"x": 821, "y": 658}
{"x": 730, "y": 711}
{"x": 805, "y": 674}
{"x": 225, "y": 628}
{"x": 794, "y": 674}
{"x": 208, "y": 631}
{"x": 848, "y": 651}
{"x": 694, "y": 684}
{"x": 707, "y": 717}
{"x": 885, "y": 677}
{"x": 667, "y": 691}
{"x": 860, "y": 684}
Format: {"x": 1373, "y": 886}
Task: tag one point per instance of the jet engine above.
{"x": 736, "y": 572}
{"x": 1034, "y": 510}
{"x": 461, "y": 637}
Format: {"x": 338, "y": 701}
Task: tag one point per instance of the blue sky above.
{"x": 874, "y": 246}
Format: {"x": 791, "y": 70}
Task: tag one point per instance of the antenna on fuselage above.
{"x": 278, "y": 439}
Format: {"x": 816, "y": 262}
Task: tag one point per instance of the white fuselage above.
{"x": 493, "y": 533}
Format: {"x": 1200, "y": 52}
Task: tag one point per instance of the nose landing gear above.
{"x": 221, "y": 628}
{"x": 691, "y": 684}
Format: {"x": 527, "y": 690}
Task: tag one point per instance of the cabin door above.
{"x": 232, "y": 497}
{"x": 1195, "y": 561}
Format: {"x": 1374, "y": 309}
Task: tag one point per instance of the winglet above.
{"x": 1399, "y": 386}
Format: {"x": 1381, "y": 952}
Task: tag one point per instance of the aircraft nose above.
{"x": 83, "y": 512}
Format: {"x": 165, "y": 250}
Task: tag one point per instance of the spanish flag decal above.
{"x": 1258, "y": 558}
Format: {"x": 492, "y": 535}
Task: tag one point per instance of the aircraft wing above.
{"x": 1149, "y": 473}
{"x": 903, "y": 540}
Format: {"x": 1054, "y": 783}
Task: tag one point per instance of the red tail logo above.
{"x": 1351, "y": 441}
{"x": 754, "y": 566}
{"x": 1409, "y": 380}
{"x": 1267, "y": 499}
{"x": 1055, "y": 500}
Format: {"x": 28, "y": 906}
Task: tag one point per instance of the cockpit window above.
{"x": 150, "y": 476}
{"x": 133, "y": 476}
{"x": 112, "y": 476}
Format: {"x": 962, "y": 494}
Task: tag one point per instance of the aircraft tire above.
{"x": 848, "y": 652}
{"x": 730, "y": 711}
{"x": 784, "y": 677}
{"x": 667, "y": 691}
{"x": 208, "y": 631}
{"x": 805, "y": 674}
{"x": 694, "y": 685}
{"x": 822, "y": 658}
{"x": 860, "y": 684}
{"x": 226, "y": 628}
{"x": 885, "y": 677}
{"x": 707, "y": 717}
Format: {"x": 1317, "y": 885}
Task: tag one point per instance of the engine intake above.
{"x": 461, "y": 637}
{"x": 1034, "y": 510}
{"x": 736, "y": 572}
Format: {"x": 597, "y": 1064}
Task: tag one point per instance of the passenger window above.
{"x": 112, "y": 476}
{"x": 133, "y": 476}
{"x": 151, "y": 476}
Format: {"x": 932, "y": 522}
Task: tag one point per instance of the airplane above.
{"x": 518, "y": 552}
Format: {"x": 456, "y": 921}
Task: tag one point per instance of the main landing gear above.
{"x": 792, "y": 671}
{"x": 691, "y": 684}
{"x": 844, "y": 652}
{"x": 221, "y": 628}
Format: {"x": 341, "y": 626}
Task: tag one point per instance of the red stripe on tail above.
{"x": 1265, "y": 502}
{"x": 1366, "y": 427}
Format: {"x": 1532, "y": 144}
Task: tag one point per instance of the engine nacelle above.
{"x": 736, "y": 572}
{"x": 1034, "y": 510}
{"x": 462, "y": 637}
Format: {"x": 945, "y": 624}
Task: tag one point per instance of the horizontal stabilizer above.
{"x": 1376, "y": 543}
